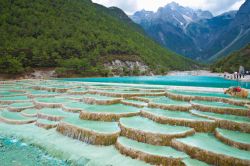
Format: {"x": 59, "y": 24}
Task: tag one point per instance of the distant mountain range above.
{"x": 197, "y": 34}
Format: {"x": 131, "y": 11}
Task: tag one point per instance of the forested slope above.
{"x": 232, "y": 62}
{"x": 75, "y": 35}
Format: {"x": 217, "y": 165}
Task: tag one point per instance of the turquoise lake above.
{"x": 201, "y": 81}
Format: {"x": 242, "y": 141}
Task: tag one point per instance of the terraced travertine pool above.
{"x": 155, "y": 150}
{"x": 102, "y": 127}
{"x": 76, "y": 105}
{"x": 202, "y": 141}
{"x": 206, "y": 94}
{"x": 41, "y": 92}
{"x": 30, "y": 112}
{"x": 219, "y": 104}
{"x": 7, "y": 93}
{"x": 174, "y": 114}
{"x": 235, "y": 137}
{"x": 146, "y": 125}
{"x": 115, "y": 109}
{"x": 13, "y": 116}
{"x": 51, "y": 100}
{"x": 196, "y": 93}
{"x": 165, "y": 100}
{"x": 108, "y": 124}
{"x": 240, "y": 119}
{"x": 55, "y": 112}
{"x": 14, "y": 98}
{"x": 21, "y": 105}
{"x": 134, "y": 101}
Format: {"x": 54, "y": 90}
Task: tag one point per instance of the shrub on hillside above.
{"x": 10, "y": 65}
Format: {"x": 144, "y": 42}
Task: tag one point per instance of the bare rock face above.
{"x": 41, "y": 74}
{"x": 118, "y": 67}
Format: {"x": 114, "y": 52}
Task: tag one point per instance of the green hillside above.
{"x": 232, "y": 62}
{"x": 77, "y": 36}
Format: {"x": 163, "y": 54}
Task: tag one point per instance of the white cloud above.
{"x": 215, "y": 6}
{"x": 218, "y": 7}
{"x": 129, "y": 6}
{"x": 237, "y": 5}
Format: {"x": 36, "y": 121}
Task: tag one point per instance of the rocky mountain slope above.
{"x": 77, "y": 36}
{"x": 235, "y": 36}
{"x": 205, "y": 33}
{"x": 196, "y": 33}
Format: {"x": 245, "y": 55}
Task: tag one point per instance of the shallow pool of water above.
{"x": 16, "y": 153}
{"x": 202, "y": 81}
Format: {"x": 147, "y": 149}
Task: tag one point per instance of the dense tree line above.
{"x": 45, "y": 33}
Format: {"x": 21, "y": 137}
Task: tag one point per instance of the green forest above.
{"x": 76, "y": 36}
{"x": 232, "y": 62}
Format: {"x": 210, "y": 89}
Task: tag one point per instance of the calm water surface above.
{"x": 201, "y": 81}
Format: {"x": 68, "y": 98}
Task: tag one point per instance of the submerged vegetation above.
{"x": 76, "y": 36}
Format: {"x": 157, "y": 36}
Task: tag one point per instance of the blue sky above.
{"x": 215, "y": 6}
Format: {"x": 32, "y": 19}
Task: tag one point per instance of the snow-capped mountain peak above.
{"x": 173, "y": 13}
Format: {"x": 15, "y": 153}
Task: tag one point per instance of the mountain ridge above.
{"x": 172, "y": 12}
{"x": 204, "y": 39}
{"x": 238, "y": 33}
{"x": 232, "y": 62}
